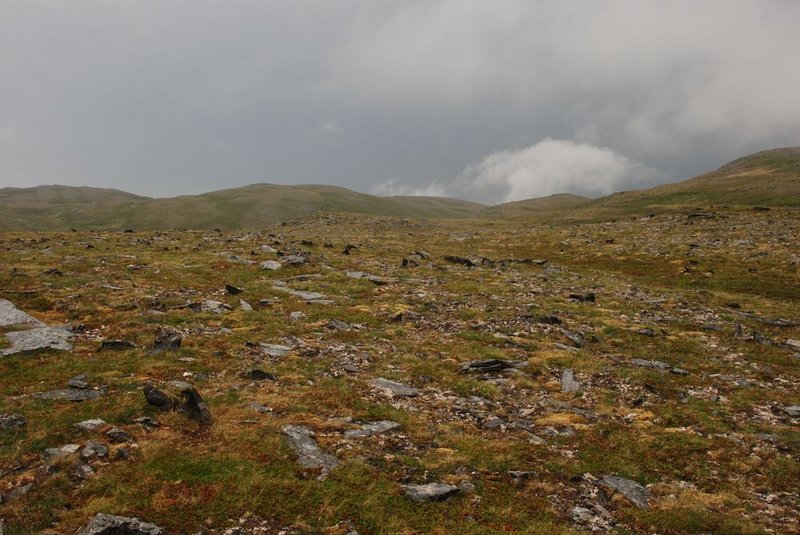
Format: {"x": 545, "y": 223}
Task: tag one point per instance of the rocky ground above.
{"x": 346, "y": 375}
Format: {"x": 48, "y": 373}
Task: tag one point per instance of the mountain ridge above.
{"x": 766, "y": 178}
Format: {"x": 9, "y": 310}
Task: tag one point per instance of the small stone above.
{"x": 632, "y": 490}
{"x": 430, "y": 492}
{"x": 372, "y": 428}
{"x": 90, "y": 425}
{"x": 259, "y": 375}
{"x": 12, "y": 421}
{"x": 119, "y": 436}
{"x": 300, "y": 439}
{"x": 117, "y": 345}
{"x": 568, "y": 382}
{"x": 297, "y": 315}
{"x": 275, "y": 350}
{"x": 397, "y": 389}
{"x": 271, "y": 265}
{"x": 493, "y": 423}
{"x": 793, "y": 411}
{"x": 233, "y": 290}
{"x": 79, "y": 381}
{"x": 55, "y": 453}
{"x": 167, "y": 341}
{"x": 244, "y": 306}
{"x": 258, "y": 407}
{"x": 94, "y": 448}
{"x": 103, "y": 524}
{"x": 482, "y": 366}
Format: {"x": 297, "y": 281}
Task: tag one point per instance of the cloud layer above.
{"x": 188, "y": 96}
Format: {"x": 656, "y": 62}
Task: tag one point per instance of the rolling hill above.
{"x": 767, "y": 178}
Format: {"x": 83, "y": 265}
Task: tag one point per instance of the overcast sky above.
{"x": 487, "y": 100}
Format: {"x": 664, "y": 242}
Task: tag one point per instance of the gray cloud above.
{"x": 460, "y": 97}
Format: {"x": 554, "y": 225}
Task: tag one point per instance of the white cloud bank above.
{"x": 548, "y": 167}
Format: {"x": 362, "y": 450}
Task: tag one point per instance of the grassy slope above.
{"x": 60, "y": 207}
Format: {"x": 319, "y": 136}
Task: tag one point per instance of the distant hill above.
{"x": 64, "y": 207}
{"x": 768, "y": 178}
{"x": 543, "y": 207}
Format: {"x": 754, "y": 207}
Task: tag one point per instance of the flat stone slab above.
{"x": 275, "y": 350}
{"x": 632, "y": 490}
{"x": 90, "y": 425}
{"x": 372, "y": 428}
{"x": 103, "y": 524}
{"x": 793, "y": 411}
{"x": 397, "y": 389}
{"x": 11, "y": 315}
{"x": 37, "y": 338}
{"x": 311, "y": 297}
{"x": 271, "y": 265}
{"x": 69, "y": 394}
{"x": 301, "y": 440}
{"x": 430, "y": 492}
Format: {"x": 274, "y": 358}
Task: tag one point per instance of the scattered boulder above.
{"x": 90, "y": 425}
{"x": 70, "y": 394}
{"x": 159, "y": 399}
{"x": 12, "y": 421}
{"x": 632, "y": 490}
{"x": 36, "y": 339}
{"x": 117, "y": 345}
{"x": 483, "y": 366}
{"x": 167, "y": 341}
{"x": 271, "y": 265}
{"x": 300, "y": 439}
{"x": 394, "y": 388}
{"x": 430, "y": 492}
{"x": 195, "y": 407}
{"x": 568, "y": 382}
{"x": 372, "y": 428}
{"x": 103, "y": 524}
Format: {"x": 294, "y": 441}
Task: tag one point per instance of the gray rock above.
{"x": 55, "y": 453}
{"x": 430, "y": 492}
{"x": 258, "y": 407}
{"x": 568, "y": 382}
{"x": 94, "y": 448}
{"x": 794, "y": 344}
{"x": 397, "y": 389}
{"x": 657, "y": 364}
{"x": 70, "y": 394}
{"x": 11, "y": 315}
{"x": 117, "y": 345}
{"x": 793, "y": 411}
{"x": 215, "y": 307}
{"x": 38, "y": 338}
{"x": 159, "y": 399}
{"x": 116, "y": 435}
{"x": 297, "y": 315}
{"x": 311, "y": 297}
{"x": 83, "y": 471}
{"x": 275, "y": 350}
{"x": 167, "y": 341}
{"x": 300, "y": 439}
{"x": 372, "y": 428}
{"x": 195, "y": 407}
{"x": 271, "y": 265}
{"x": 489, "y": 365}
{"x": 79, "y": 381}
{"x": 103, "y": 524}
{"x": 10, "y": 421}
{"x": 90, "y": 425}
{"x": 259, "y": 375}
{"x": 493, "y": 423}
{"x": 244, "y": 306}
{"x": 632, "y": 490}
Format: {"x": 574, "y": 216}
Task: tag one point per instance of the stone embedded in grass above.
{"x": 90, "y": 425}
{"x": 117, "y": 345}
{"x": 233, "y": 290}
{"x": 69, "y": 394}
{"x": 244, "y": 306}
{"x": 103, "y": 524}
{"x": 300, "y": 439}
{"x": 94, "y": 449}
{"x": 159, "y": 399}
{"x": 36, "y": 339}
{"x": 793, "y": 411}
{"x": 632, "y": 490}
{"x": 657, "y": 364}
{"x": 295, "y": 260}
{"x": 258, "y": 407}
{"x": 167, "y": 341}
{"x": 10, "y": 421}
{"x": 10, "y": 315}
{"x": 195, "y": 407}
{"x": 275, "y": 350}
{"x": 430, "y": 492}
{"x": 488, "y": 365}
{"x": 79, "y": 381}
{"x": 568, "y": 382}
{"x": 394, "y": 388}
{"x": 119, "y": 436}
{"x": 310, "y": 297}
{"x": 55, "y": 453}
{"x": 215, "y": 307}
{"x": 271, "y": 265}
{"x": 259, "y": 375}
{"x": 372, "y": 428}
